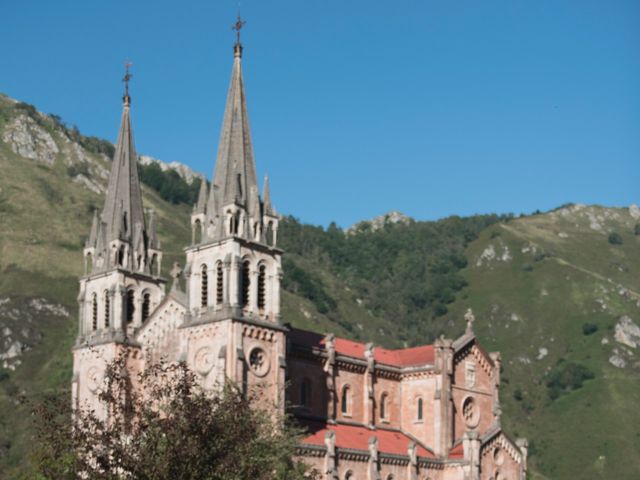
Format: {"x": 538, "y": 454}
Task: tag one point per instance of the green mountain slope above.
{"x": 550, "y": 291}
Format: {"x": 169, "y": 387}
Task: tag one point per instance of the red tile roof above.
{"x": 457, "y": 451}
{"x": 357, "y": 438}
{"x": 399, "y": 358}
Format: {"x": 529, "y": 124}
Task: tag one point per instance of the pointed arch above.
{"x": 384, "y": 406}
{"x": 262, "y": 288}
{"x": 107, "y": 309}
{"x": 204, "y": 286}
{"x": 219, "y": 283}
{"x": 245, "y": 283}
{"x": 146, "y": 305}
{"x": 131, "y": 306}
{"x": 94, "y": 311}
{"x": 419, "y": 409}
{"x": 345, "y": 400}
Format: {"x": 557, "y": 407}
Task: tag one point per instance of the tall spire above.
{"x": 235, "y": 172}
{"x": 121, "y": 225}
{"x": 123, "y": 204}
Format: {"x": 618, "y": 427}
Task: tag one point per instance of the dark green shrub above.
{"x": 615, "y": 238}
{"x": 517, "y": 395}
{"x": 589, "y": 328}
{"x": 566, "y": 377}
{"x": 636, "y": 229}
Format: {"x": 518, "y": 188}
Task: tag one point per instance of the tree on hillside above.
{"x": 175, "y": 431}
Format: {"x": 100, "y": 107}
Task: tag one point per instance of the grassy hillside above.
{"x": 549, "y": 292}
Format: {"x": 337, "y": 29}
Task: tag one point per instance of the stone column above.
{"x": 497, "y": 409}
{"x": 412, "y": 468}
{"x": 137, "y": 313}
{"x": 369, "y": 397}
{"x": 373, "y": 467}
{"x": 234, "y": 282}
{"x": 330, "y": 467}
{"x": 523, "y": 445}
{"x": 443, "y": 407}
{"x": 119, "y": 308}
{"x": 329, "y": 369}
{"x": 471, "y": 449}
{"x": 253, "y": 290}
{"x": 277, "y": 279}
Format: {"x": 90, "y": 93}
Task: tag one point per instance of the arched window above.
{"x": 197, "y": 232}
{"x": 246, "y": 281}
{"x": 89, "y": 263}
{"x": 146, "y": 306}
{"x": 107, "y": 309}
{"x": 390, "y": 477}
{"x": 269, "y": 235}
{"x": 153, "y": 263}
{"x": 419, "y": 408}
{"x": 233, "y": 223}
{"x": 204, "y": 286}
{"x": 345, "y": 400}
{"x": 384, "y": 407}
{"x": 305, "y": 392}
{"x": 262, "y": 288}
{"x": 349, "y": 476}
{"x": 131, "y": 306}
{"x": 121, "y": 256}
{"x": 219, "y": 283}
{"x": 94, "y": 311}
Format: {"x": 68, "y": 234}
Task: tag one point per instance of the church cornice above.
{"x": 126, "y": 272}
{"x": 252, "y": 244}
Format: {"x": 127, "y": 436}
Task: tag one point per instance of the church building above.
{"x": 427, "y": 412}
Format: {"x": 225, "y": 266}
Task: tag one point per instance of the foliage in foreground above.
{"x": 176, "y": 431}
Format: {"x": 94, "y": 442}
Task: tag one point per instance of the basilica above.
{"x": 427, "y": 412}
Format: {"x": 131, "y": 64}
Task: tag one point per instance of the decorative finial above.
{"x": 470, "y": 318}
{"x": 176, "y": 273}
{"x": 127, "y": 76}
{"x": 237, "y": 48}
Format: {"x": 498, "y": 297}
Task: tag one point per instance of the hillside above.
{"x": 555, "y": 293}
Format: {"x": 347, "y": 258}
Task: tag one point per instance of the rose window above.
{"x": 470, "y": 412}
{"x": 258, "y": 361}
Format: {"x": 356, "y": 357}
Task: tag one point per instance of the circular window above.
{"x": 94, "y": 378}
{"x": 470, "y": 412}
{"x": 498, "y": 456}
{"x": 259, "y": 362}
{"x": 203, "y": 360}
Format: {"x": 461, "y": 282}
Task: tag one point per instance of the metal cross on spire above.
{"x": 127, "y": 76}
{"x": 237, "y": 27}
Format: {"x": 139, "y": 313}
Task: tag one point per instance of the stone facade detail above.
{"x": 427, "y": 412}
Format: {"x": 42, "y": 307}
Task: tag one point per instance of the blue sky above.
{"x": 433, "y": 108}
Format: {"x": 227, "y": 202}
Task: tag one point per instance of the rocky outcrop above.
{"x": 185, "y": 172}
{"x": 26, "y": 138}
{"x": 379, "y": 222}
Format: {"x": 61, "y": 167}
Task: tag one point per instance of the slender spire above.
{"x": 153, "y": 234}
{"x": 266, "y": 198}
{"x": 201, "y": 204}
{"x": 235, "y": 172}
{"x": 122, "y": 221}
{"x": 93, "y": 235}
{"x": 123, "y": 204}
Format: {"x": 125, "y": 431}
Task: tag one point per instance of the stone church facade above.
{"x": 428, "y": 412}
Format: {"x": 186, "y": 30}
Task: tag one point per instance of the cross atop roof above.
{"x": 237, "y": 27}
{"x": 127, "y": 76}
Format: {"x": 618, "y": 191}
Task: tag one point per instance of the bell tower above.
{"x": 233, "y": 267}
{"x": 122, "y": 283}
